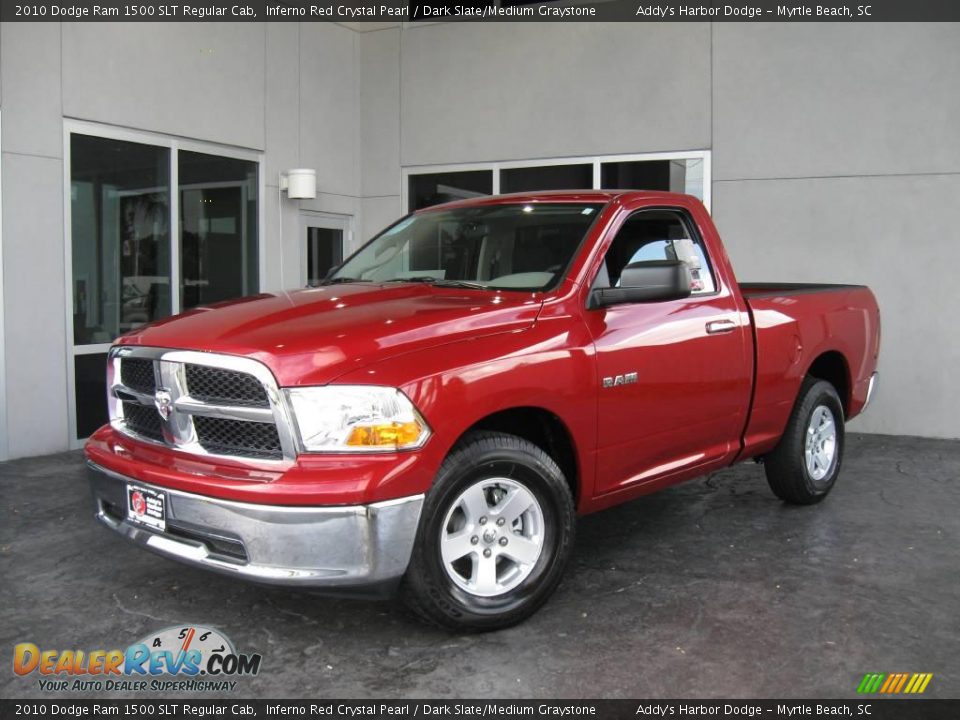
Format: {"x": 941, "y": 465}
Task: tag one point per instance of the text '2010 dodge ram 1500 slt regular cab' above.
{"x": 436, "y": 413}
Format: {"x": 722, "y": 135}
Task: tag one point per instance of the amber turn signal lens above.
{"x": 393, "y": 434}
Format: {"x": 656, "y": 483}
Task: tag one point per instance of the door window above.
{"x": 656, "y": 235}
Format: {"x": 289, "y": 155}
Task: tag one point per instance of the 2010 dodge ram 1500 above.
{"x": 436, "y": 413}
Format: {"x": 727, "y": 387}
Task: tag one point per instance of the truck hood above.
{"x": 312, "y": 336}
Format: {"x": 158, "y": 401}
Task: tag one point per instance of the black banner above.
{"x": 480, "y": 11}
{"x": 866, "y": 708}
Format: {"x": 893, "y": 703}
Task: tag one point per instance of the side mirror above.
{"x": 646, "y": 281}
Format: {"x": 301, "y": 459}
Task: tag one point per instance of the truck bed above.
{"x": 794, "y": 324}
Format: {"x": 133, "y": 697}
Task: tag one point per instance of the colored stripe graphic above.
{"x": 903, "y": 679}
{"x": 890, "y": 682}
{"x": 894, "y": 683}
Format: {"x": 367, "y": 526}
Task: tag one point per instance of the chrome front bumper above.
{"x": 322, "y": 547}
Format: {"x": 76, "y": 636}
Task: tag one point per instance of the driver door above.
{"x": 673, "y": 376}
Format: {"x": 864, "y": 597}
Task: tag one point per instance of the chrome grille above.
{"x": 143, "y": 420}
{"x": 200, "y": 403}
{"x": 137, "y": 374}
{"x": 235, "y": 437}
{"x": 224, "y": 387}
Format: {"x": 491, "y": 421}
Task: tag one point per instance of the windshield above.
{"x": 510, "y": 247}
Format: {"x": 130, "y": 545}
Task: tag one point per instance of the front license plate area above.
{"x": 147, "y": 507}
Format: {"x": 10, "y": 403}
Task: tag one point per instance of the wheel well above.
{"x": 832, "y": 367}
{"x": 543, "y": 429}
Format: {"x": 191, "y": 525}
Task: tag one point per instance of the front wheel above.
{"x": 495, "y": 535}
{"x": 804, "y": 466}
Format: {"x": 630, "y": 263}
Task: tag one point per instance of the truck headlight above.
{"x": 356, "y": 418}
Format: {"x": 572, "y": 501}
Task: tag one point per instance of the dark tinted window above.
{"x": 218, "y": 226}
{"x": 91, "y": 392}
{"x": 681, "y": 175}
{"x": 546, "y": 177}
{"x": 324, "y": 251}
{"x": 120, "y": 230}
{"x": 429, "y": 189}
{"x": 641, "y": 175}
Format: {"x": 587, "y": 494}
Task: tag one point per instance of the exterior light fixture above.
{"x": 300, "y": 183}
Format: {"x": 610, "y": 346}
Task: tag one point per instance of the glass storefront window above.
{"x": 681, "y": 175}
{"x": 681, "y": 172}
{"x": 120, "y": 215}
{"x": 90, "y": 373}
{"x": 218, "y": 228}
{"x": 429, "y": 189}
{"x": 123, "y": 234}
{"x": 546, "y": 177}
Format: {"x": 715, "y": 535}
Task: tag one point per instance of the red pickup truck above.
{"x": 434, "y": 415}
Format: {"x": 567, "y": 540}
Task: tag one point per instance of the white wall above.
{"x": 379, "y": 129}
{"x": 836, "y": 156}
{"x": 503, "y": 91}
{"x": 330, "y": 120}
{"x": 290, "y": 91}
{"x": 32, "y": 145}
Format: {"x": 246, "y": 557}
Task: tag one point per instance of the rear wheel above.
{"x": 804, "y": 466}
{"x": 495, "y": 535}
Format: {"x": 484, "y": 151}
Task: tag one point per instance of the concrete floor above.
{"x": 710, "y": 589}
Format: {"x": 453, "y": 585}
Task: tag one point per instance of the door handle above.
{"x": 720, "y": 326}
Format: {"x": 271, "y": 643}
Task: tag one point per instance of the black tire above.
{"x": 429, "y": 590}
{"x": 786, "y": 465}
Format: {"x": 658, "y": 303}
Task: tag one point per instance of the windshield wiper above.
{"x": 460, "y": 283}
{"x": 341, "y": 280}
{"x": 430, "y": 280}
{"x": 415, "y": 279}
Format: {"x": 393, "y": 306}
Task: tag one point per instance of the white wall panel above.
{"x": 380, "y": 112}
{"x": 197, "y": 80}
{"x": 329, "y": 106}
{"x": 501, "y": 91}
{"x": 815, "y": 99}
{"x": 35, "y": 324}
{"x": 30, "y": 67}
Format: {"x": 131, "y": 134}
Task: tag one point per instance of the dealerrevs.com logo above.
{"x": 182, "y": 658}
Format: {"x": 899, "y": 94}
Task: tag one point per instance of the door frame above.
{"x": 173, "y": 144}
{"x": 321, "y": 219}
